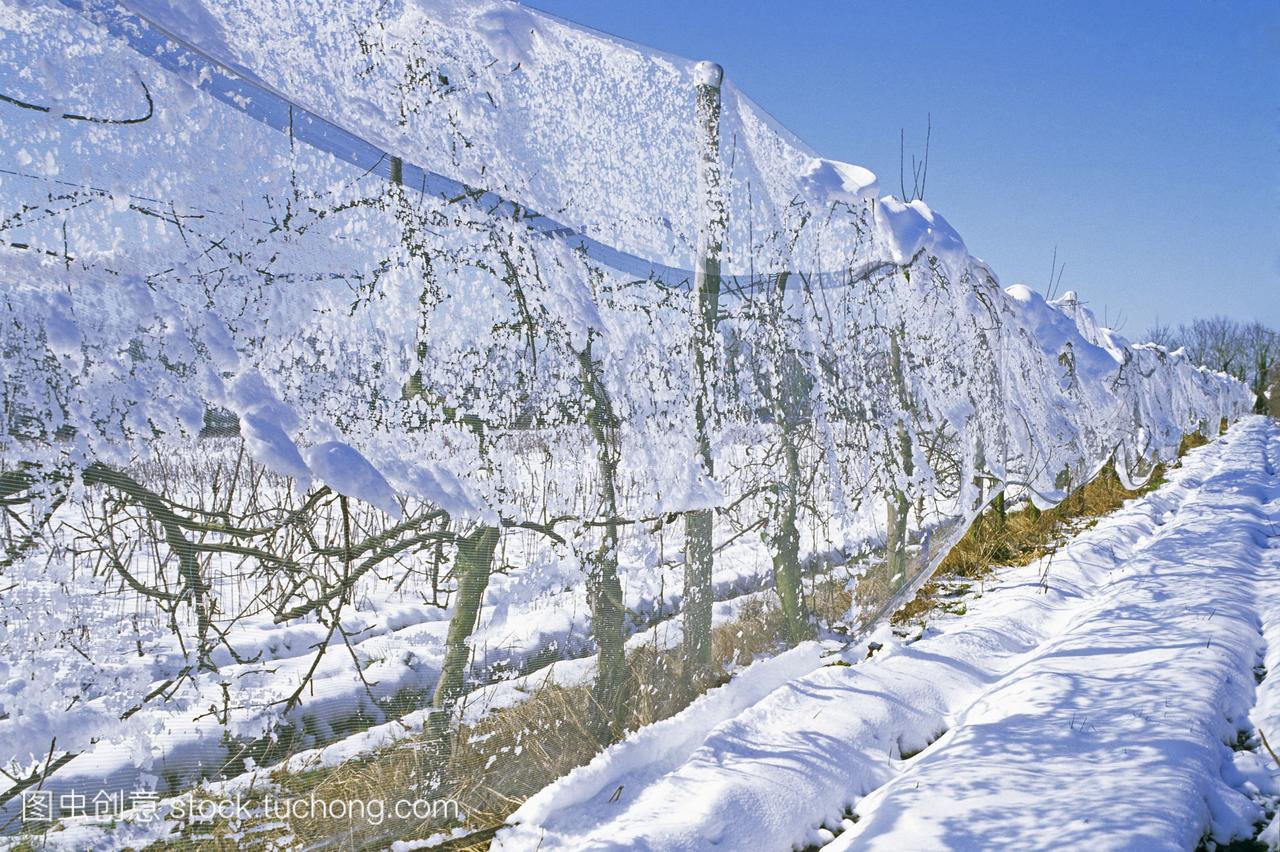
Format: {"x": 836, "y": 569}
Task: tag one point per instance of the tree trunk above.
{"x": 784, "y": 541}
{"x": 899, "y": 505}
{"x": 698, "y": 561}
{"x": 896, "y": 542}
{"x": 607, "y": 614}
{"x": 604, "y": 590}
{"x": 472, "y": 566}
{"x": 786, "y": 549}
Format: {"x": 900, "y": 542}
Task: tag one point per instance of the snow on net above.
{"x": 336, "y": 285}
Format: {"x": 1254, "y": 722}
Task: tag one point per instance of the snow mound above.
{"x": 830, "y": 181}
{"x": 344, "y": 470}
{"x": 912, "y": 227}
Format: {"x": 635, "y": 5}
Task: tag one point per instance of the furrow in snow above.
{"x": 1115, "y": 734}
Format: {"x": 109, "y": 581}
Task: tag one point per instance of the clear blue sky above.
{"x": 1142, "y": 138}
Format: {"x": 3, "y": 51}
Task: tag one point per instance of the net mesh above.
{"x": 363, "y": 362}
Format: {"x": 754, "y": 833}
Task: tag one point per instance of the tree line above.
{"x": 1249, "y": 351}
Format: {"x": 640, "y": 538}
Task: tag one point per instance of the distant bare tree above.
{"x": 1248, "y": 351}
{"x": 1215, "y": 343}
{"x": 1163, "y": 334}
{"x": 1260, "y": 347}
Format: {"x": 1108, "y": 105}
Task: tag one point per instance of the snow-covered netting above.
{"x": 327, "y": 325}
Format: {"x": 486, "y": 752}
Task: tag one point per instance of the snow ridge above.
{"x": 1090, "y": 709}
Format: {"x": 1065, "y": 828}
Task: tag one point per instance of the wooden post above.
{"x": 698, "y": 559}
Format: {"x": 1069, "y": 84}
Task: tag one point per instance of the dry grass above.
{"x": 759, "y": 631}
{"x": 496, "y": 763}
{"x": 829, "y": 600}
{"x": 1192, "y": 440}
{"x": 1018, "y": 539}
{"x": 493, "y": 766}
{"x": 1026, "y": 535}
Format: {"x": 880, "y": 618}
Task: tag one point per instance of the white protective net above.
{"x": 300, "y": 298}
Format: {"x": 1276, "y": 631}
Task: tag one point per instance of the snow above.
{"x": 61, "y": 331}
{"x": 509, "y": 33}
{"x": 912, "y": 227}
{"x": 270, "y": 445}
{"x": 708, "y": 74}
{"x": 1151, "y": 679}
{"x": 221, "y": 346}
{"x": 423, "y": 346}
{"x": 399, "y": 639}
{"x": 1084, "y": 701}
{"x": 656, "y": 749}
{"x": 344, "y": 470}
{"x": 830, "y": 181}
{"x": 554, "y": 136}
{"x": 188, "y": 21}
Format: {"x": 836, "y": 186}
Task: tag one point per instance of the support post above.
{"x": 711, "y": 225}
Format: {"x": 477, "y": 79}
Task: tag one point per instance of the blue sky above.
{"x": 1140, "y": 138}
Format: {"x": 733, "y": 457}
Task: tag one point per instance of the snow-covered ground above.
{"x": 1090, "y": 700}
{"x": 397, "y": 637}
